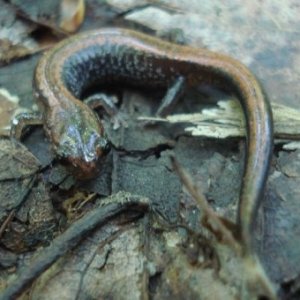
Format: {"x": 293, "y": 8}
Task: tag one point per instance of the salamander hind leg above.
{"x": 22, "y": 121}
{"x": 173, "y": 94}
{"x": 108, "y": 104}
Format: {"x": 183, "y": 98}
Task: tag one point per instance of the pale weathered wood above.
{"x": 227, "y": 121}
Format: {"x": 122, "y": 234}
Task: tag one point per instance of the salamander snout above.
{"x": 86, "y": 167}
{"x": 82, "y": 156}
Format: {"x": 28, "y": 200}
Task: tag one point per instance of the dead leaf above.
{"x": 39, "y": 12}
{"x": 16, "y": 161}
{"x": 15, "y": 39}
{"x": 34, "y": 221}
{"x": 8, "y": 110}
{"x": 20, "y": 26}
{"x": 72, "y": 14}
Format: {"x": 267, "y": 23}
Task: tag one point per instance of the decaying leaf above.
{"x": 15, "y": 35}
{"x": 8, "y": 110}
{"x": 41, "y": 12}
{"x": 34, "y": 219}
{"x": 72, "y": 14}
{"x": 20, "y": 20}
{"x": 16, "y": 161}
{"x": 9, "y": 50}
{"x": 78, "y": 231}
{"x": 128, "y": 4}
{"x": 59, "y": 15}
{"x": 17, "y": 169}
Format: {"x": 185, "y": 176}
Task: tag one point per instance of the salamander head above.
{"x": 80, "y": 146}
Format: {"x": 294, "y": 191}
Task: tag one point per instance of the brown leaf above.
{"x": 34, "y": 221}
{"x": 40, "y": 12}
{"x": 16, "y": 161}
{"x": 72, "y": 14}
{"x": 29, "y": 31}
{"x": 15, "y": 39}
{"x": 8, "y": 109}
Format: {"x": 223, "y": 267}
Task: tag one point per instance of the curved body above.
{"x": 118, "y": 55}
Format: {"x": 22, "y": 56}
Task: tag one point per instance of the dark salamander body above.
{"x": 120, "y": 55}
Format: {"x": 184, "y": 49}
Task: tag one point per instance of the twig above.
{"x": 207, "y": 210}
{"x": 255, "y": 276}
{"x": 71, "y": 237}
{"x": 6, "y": 222}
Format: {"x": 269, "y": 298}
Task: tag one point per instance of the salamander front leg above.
{"x": 108, "y": 103}
{"x": 21, "y": 121}
{"x": 174, "y": 93}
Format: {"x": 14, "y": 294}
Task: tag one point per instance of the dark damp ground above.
{"x": 45, "y": 203}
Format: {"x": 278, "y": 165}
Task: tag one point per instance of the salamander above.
{"x": 115, "y": 55}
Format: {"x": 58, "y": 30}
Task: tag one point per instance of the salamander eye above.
{"x": 104, "y": 145}
{"x": 107, "y": 147}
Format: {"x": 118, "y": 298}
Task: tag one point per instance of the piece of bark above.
{"x": 227, "y": 121}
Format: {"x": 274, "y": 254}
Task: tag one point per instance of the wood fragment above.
{"x": 227, "y": 121}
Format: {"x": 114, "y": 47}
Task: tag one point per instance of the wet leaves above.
{"x": 23, "y": 21}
